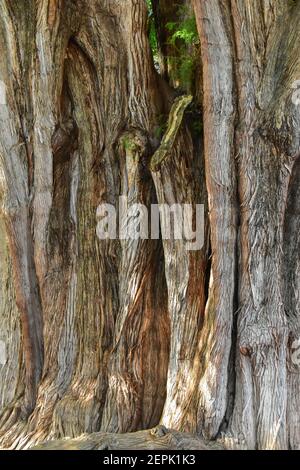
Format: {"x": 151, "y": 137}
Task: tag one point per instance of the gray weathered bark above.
{"x": 250, "y": 67}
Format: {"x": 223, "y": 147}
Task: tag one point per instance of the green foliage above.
{"x": 185, "y": 30}
{"x": 149, "y": 5}
{"x": 185, "y": 40}
{"x": 183, "y": 60}
{"x": 152, "y": 30}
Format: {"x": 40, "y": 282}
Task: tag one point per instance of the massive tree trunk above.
{"x": 250, "y": 67}
{"x": 120, "y": 335}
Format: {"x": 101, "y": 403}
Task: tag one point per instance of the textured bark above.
{"x": 159, "y": 438}
{"x": 117, "y": 336}
{"x": 247, "y": 39}
{"x": 219, "y": 119}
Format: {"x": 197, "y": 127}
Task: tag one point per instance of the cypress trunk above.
{"x": 123, "y": 335}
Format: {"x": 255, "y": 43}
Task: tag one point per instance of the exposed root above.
{"x": 154, "y": 439}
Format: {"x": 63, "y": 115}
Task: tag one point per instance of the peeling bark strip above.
{"x": 118, "y": 336}
{"x": 174, "y": 122}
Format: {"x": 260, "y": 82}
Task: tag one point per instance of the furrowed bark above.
{"x": 265, "y": 140}
{"x": 138, "y": 364}
{"x": 176, "y": 173}
{"x": 136, "y": 391}
{"x": 15, "y": 200}
{"x": 11, "y": 370}
{"x": 119, "y": 335}
{"x": 291, "y": 302}
{"x": 263, "y": 192}
{"x": 219, "y": 120}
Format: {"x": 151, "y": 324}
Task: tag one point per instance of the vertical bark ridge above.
{"x": 79, "y": 409}
{"x": 263, "y": 185}
{"x": 138, "y": 365}
{"x": 121, "y": 335}
{"x": 291, "y": 302}
{"x": 177, "y": 181}
{"x": 15, "y": 200}
{"x": 219, "y": 126}
{"x": 11, "y": 367}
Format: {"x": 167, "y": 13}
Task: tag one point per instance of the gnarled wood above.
{"x": 120, "y": 335}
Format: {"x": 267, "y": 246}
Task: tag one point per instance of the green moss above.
{"x": 128, "y": 143}
{"x": 174, "y": 122}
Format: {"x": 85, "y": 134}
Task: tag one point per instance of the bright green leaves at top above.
{"x": 152, "y": 31}
{"x": 185, "y": 30}
{"x": 182, "y": 46}
{"x": 184, "y": 40}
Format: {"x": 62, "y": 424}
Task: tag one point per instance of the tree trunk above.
{"x": 250, "y": 65}
{"x": 117, "y": 335}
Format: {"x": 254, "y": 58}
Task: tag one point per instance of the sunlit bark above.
{"x": 120, "y": 335}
